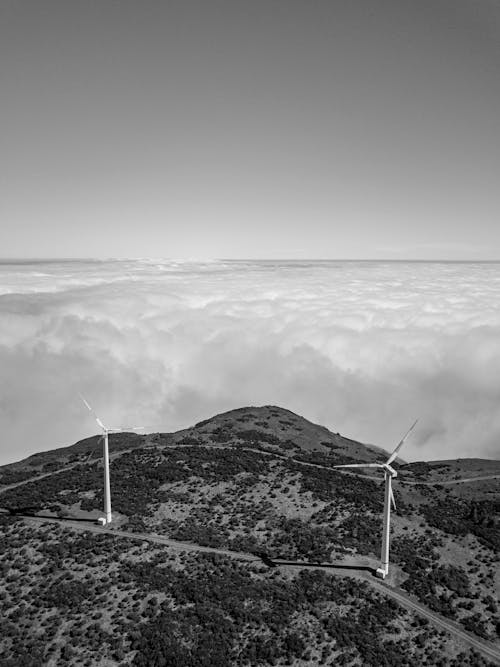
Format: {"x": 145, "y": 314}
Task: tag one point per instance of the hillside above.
{"x": 285, "y": 432}
{"x": 446, "y": 472}
{"x": 243, "y": 481}
{"x": 279, "y": 429}
{"x": 47, "y": 461}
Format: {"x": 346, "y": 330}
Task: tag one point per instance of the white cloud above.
{"x": 360, "y": 347}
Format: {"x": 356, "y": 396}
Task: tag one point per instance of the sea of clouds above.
{"x": 361, "y": 347}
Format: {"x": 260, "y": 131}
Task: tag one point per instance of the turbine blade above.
{"x": 85, "y": 403}
{"x": 93, "y": 412}
{"x": 392, "y": 499}
{"x": 361, "y": 465}
{"x": 400, "y": 444}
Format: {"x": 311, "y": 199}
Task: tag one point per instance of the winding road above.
{"x": 372, "y": 477}
{"x": 487, "y": 649}
{"x": 449, "y": 482}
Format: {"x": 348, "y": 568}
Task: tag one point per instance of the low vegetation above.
{"x": 68, "y": 598}
{"x": 239, "y": 483}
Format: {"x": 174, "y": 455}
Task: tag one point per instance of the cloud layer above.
{"x": 363, "y": 348}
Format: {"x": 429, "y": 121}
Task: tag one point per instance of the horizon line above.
{"x": 247, "y": 259}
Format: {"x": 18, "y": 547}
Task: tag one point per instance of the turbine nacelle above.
{"x": 389, "y": 469}
{"x": 105, "y": 429}
{"x": 381, "y": 466}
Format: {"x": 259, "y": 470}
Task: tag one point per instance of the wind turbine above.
{"x": 389, "y": 473}
{"x": 105, "y": 454}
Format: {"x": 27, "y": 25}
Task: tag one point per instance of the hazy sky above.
{"x": 320, "y": 128}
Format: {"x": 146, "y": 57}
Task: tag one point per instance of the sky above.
{"x": 263, "y": 129}
{"x": 363, "y": 348}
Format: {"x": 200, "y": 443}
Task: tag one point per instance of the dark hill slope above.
{"x": 278, "y": 429}
{"x": 54, "y": 459}
{"x": 450, "y": 470}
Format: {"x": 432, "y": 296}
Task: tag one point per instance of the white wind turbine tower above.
{"x": 107, "y": 486}
{"x": 389, "y": 473}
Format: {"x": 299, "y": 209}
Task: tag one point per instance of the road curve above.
{"x": 484, "y": 647}
{"x": 112, "y": 456}
{"x": 372, "y": 477}
{"x": 36, "y": 478}
{"x": 465, "y": 480}
{"x": 448, "y": 482}
{"x": 487, "y": 649}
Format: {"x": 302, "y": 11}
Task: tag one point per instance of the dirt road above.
{"x": 487, "y": 649}
{"x": 465, "y": 480}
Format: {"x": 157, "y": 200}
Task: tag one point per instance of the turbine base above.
{"x": 381, "y": 573}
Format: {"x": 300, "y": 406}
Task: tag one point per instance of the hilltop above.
{"x": 280, "y": 429}
{"x": 277, "y": 428}
{"x": 256, "y": 480}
